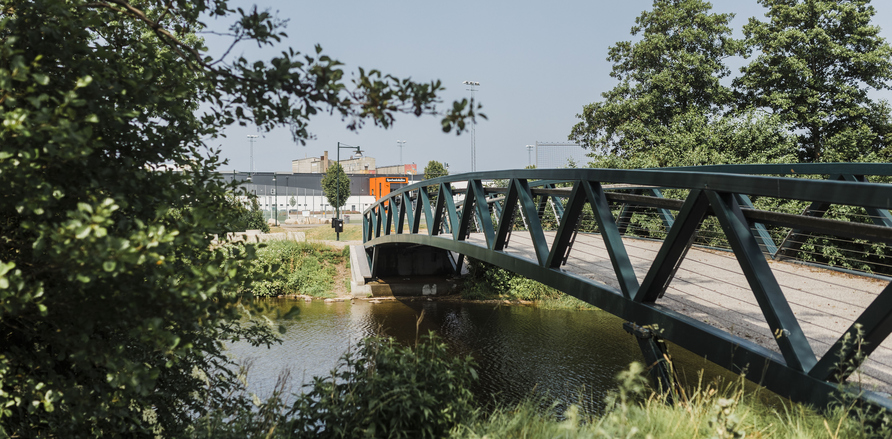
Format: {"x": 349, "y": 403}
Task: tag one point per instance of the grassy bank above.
{"x": 288, "y": 267}
{"x": 381, "y": 389}
{"x": 352, "y": 232}
{"x": 709, "y": 411}
{"x": 488, "y": 282}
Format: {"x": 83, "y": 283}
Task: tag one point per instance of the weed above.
{"x": 288, "y": 267}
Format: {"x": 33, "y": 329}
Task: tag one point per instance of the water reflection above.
{"x": 560, "y": 355}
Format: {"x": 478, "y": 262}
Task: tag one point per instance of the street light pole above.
{"x": 473, "y": 84}
{"x": 338, "y": 184}
{"x": 251, "y": 138}
{"x": 276, "y": 201}
{"x": 401, "y": 144}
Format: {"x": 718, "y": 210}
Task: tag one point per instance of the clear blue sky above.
{"x": 538, "y": 64}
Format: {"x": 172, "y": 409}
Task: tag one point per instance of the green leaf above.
{"x": 82, "y": 231}
{"x": 41, "y": 79}
{"x": 83, "y": 81}
{"x": 5, "y": 267}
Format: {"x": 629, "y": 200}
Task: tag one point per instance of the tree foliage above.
{"x": 388, "y": 391}
{"x": 695, "y": 139}
{"x": 434, "y": 169}
{"x": 113, "y": 303}
{"x": 673, "y": 72}
{"x": 817, "y": 60}
{"x": 245, "y": 218}
{"x": 336, "y": 185}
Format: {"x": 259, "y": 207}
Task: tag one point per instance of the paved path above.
{"x": 711, "y": 287}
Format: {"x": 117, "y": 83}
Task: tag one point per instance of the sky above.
{"x": 538, "y": 63}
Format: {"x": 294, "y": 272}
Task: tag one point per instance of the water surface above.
{"x": 560, "y": 356}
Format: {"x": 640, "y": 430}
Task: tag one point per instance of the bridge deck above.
{"x": 711, "y": 287}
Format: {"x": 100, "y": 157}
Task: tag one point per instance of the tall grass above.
{"x": 709, "y": 411}
{"x": 386, "y": 390}
{"x": 289, "y": 267}
{"x": 488, "y": 282}
{"x": 352, "y": 232}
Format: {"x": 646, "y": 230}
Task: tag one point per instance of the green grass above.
{"x": 708, "y": 412}
{"x": 288, "y": 267}
{"x": 352, "y": 232}
{"x": 383, "y": 390}
{"x": 488, "y": 282}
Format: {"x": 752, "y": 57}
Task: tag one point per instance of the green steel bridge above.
{"x": 779, "y": 271}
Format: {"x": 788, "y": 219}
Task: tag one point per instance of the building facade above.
{"x": 319, "y": 165}
{"x": 410, "y": 169}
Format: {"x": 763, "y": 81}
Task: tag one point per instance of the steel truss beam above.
{"x": 795, "y": 372}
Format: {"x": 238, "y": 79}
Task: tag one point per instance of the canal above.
{"x": 560, "y": 357}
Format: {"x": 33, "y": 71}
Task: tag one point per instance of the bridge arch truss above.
{"x": 482, "y": 215}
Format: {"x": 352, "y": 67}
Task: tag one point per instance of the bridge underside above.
{"x": 411, "y": 260}
{"x": 411, "y": 270}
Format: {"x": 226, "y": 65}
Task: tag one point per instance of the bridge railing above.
{"x": 758, "y": 217}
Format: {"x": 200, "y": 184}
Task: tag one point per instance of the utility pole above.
{"x": 337, "y": 222}
{"x": 472, "y": 88}
{"x": 251, "y": 138}
{"x": 401, "y": 144}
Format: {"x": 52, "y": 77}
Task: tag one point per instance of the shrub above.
{"x": 288, "y": 267}
{"x": 487, "y": 281}
{"x": 388, "y": 390}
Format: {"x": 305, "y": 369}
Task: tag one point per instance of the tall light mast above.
{"x": 251, "y": 138}
{"x": 472, "y": 88}
{"x": 401, "y": 144}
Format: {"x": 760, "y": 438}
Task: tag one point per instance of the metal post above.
{"x": 251, "y": 138}
{"x": 473, "y": 84}
{"x": 658, "y": 363}
{"x": 338, "y": 184}
{"x": 275, "y": 201}
{"x": 401, "y": 144}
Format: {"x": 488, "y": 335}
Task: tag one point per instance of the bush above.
{"x": 288, "y": 267}
{"x": 387, "y": 390}
{"x": 487, "y": 281}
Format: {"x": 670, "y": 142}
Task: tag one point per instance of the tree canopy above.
{"x": 817, "y": 60}
{"x": 672, "y": 72}
{"x": 336, "y": 185}
{"x": 434, "y": 169}
{"x": 113, "y": 303}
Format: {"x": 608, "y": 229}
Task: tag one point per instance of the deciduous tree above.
{"x": 695, "y": 139}
{"x": 673, "y": 70}
{"x": 434, "y": 169}
{"x": 113, "y": 302}
{"x": 816, "y": 63}
{"x": 336, "y": 185}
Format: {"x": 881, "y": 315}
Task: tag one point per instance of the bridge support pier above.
{"x": 656, "y": 357}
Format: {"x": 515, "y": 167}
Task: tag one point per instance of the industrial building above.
{"x": 299, "y": 193}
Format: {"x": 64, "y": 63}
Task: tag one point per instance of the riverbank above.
{"x": 521, "y": 345}
{"x": 707, "y": 410}
{"x": 485, "y": 284}
{"x": 298, "y": 269}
